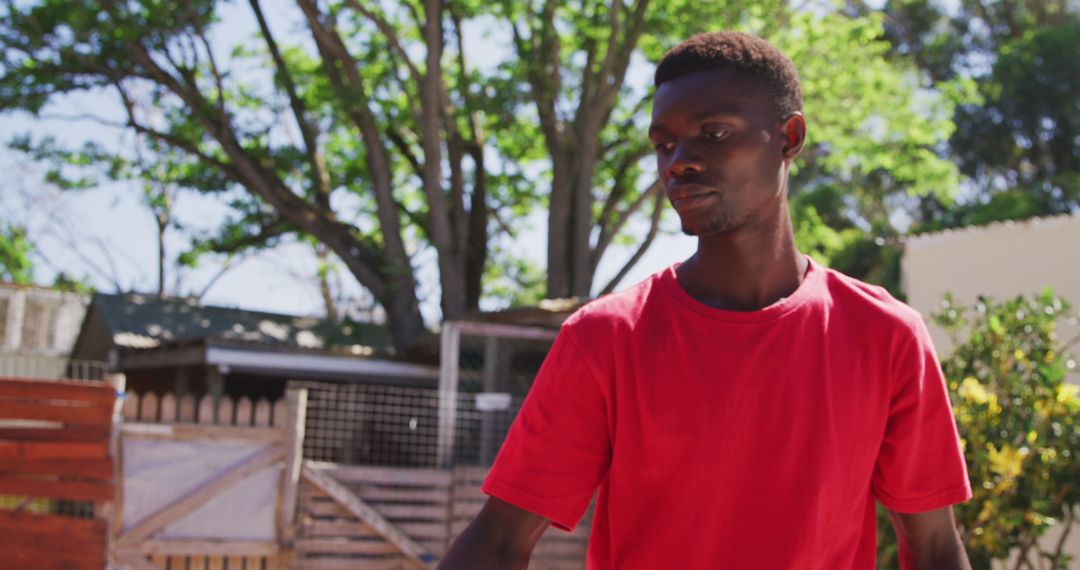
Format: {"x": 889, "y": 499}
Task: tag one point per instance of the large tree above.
{"x": 368, "y": 127}
{"x": 1017, "y": 139}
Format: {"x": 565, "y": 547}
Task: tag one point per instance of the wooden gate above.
{"x": 388, "y": 518}
{"x": 209, "y": 491}
{"x": 56, "y": 473}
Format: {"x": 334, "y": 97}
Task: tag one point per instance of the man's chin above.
{"x": 712, "y": 227}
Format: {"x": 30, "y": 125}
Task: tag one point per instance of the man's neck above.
{"x": 746, "y": 269}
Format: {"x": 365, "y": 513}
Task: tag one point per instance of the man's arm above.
{"x": 929, "y": 541}
{"x": 501, "y": 537}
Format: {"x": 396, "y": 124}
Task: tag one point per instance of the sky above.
{"x": 107, "y": 235}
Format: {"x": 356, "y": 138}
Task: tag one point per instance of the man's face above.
{"x": 720, "y": 149}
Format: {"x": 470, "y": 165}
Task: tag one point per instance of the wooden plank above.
{"x": 424, "y": 529}
{"x": 385, "y": 475}
{"x": 30, "y": 559}
{"x": 294, "y": 424}
{"x": 331, "y": 529}
{"x": 86, "y": 468}
{"x": 80, "y": 530}
{"x": 203, "y": 493}
{"x": 262, "y": 413}
{"x": 71, "y": 490}
{"x": 375, "y": 494}
{"x": 412, "y": 512}
{"x": 400, "y": 563}
{"x": 253, "y": 563}
{"x": 234, "y": 562}
{"x": 327, "y": 509}
{"x": 59, "y": 433}
{"x": 197, "y": 562}
{"x": 130, "y": 409}
{"x": 225, "y": 410}
{"x": 206, "y": 410}
{"x": 51, "y": 547}
{"x": 148, "y": 407}
{"x": 187, "y": 409}
{"x": 280, "y": 412}
{"x": 208, "y": 547}
{"x": 177, "y": 562}
{"x": 92, "y": 415}
{"x": 215, "y": 563}
{"x": 414, "y": 552}
{"x": 345, "y": 546}
{"x": 179, "y": 432}
{"x": 243, "y": 411}
{"x": 161, "y": 561}
{"x": 168, "y": 408}
{"x": 134, "y": 560}
{"x": 57, "y": 390}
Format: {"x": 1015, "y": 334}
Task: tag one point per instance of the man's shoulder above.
{"x": 616, "y": 311}
{"x": 872, "y": 304}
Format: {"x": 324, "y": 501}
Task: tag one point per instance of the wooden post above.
{"x": 449, "y": 371}
{"x": 491, "y": 384}
{"x": 296, "y": 402}
{"x": 113, "y": 513}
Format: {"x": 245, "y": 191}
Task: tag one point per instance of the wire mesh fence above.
{"x": 462, "y": 422}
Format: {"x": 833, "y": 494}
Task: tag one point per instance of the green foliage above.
{"x": 15, "y": 249}
{"x": 1016, "y": 138}
{"x": 874, "y": 137}
{"x": 514, "y": 282}
{"x": 1019, "y": 421}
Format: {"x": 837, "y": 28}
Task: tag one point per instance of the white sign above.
{"x": 492, "y": 401}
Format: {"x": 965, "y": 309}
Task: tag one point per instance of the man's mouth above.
{"x": 692, "y": 201}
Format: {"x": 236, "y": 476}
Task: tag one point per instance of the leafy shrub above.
{"x": 1019, "y": 422}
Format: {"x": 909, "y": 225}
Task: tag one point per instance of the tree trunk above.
{"x": 560, "y": 226}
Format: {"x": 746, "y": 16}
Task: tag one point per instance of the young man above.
{"x": 744, "y": 409}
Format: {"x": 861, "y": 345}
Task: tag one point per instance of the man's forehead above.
{"x": 712, "y": 91}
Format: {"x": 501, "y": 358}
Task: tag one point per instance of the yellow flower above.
{"x": 1008, "y": 461}
{"x": 974, "y": 392}
{"x": 1068, "y": 394}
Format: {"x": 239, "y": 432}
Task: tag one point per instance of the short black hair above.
{"x": 741, "y": 52}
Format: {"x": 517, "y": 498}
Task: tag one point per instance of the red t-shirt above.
{"x": 723, "y": 439}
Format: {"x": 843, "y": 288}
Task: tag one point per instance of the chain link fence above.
{"x": 485, "y": 374}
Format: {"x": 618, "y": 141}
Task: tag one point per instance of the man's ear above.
{"x": 794, "y": 135}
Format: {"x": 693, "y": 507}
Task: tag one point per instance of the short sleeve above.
{"x": 558, "y": 449}
{"x": 920, "y": 466}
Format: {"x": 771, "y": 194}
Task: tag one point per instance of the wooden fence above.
{"x": 224, "y": 449}
{"x": 58, "y": 443}
{"x": 150, "y": 408}
{"x": 378, "y": 518}
{"x": 55, "y": 459}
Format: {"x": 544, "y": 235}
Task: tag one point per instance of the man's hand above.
{"x": 929, "y": 541}
{"x": 501, "y": 537}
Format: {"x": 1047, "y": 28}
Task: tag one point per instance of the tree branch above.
{"x": 390, "y": 34}
{"x": 654, "y": 229}
{"x": 608, "y": 233}
{"x": 320, "y": 176}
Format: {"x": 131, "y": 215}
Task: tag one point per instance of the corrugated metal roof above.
{"x": 143, "y": 321}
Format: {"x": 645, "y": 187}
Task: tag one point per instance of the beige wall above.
{"x": 999, "y": 261}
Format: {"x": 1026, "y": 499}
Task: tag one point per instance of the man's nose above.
{"x": 684, "y": 162}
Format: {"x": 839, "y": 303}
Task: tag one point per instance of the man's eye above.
{"x": 662, "y": 146}
{"x": 716, "y": 135}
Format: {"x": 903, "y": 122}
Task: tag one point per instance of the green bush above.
{"x": 1019, "y": 423}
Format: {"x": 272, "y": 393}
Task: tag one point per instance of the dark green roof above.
{"x": 144, "y": 321}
